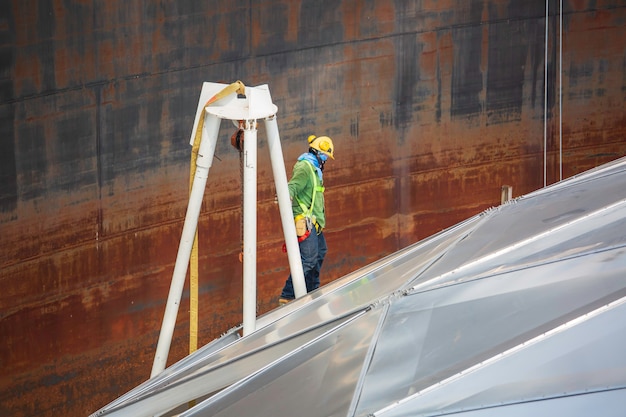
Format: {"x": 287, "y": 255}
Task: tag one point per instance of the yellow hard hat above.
{"x": 323, "y": 144}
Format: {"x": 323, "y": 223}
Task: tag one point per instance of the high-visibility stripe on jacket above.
{"x": 307, "y": 189}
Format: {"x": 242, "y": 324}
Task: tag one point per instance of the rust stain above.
{"x": 433, "y": 106}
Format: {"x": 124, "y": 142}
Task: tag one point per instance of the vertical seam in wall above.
{"x": 98, "y": 95}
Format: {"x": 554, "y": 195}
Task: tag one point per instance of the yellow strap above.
{"x": 238, "y": 87}
{"x": 193, "y": 259}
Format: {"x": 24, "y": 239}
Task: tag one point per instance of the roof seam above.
{"x": 530, "y": 342}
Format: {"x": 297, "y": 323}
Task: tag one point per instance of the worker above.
{"x": 306, "y": 190}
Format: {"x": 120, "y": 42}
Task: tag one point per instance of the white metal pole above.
{"x": 249, "y": 226}
{"x": 284, "y": 206}
{"x": 203, "y": 163}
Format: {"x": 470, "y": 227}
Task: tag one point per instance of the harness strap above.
{"x": 316, "y": 188}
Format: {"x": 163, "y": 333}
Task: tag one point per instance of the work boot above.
{"x": 283, "y": 301}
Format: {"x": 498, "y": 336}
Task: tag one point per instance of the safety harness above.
{"x": 307, "y": 212}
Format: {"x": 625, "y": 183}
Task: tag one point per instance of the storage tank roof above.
{"x": 518, "y": 311}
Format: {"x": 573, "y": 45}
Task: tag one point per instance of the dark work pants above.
{"x": 312, "y": 252}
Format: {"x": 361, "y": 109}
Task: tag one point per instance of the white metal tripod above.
{"x": 255, "y": 105}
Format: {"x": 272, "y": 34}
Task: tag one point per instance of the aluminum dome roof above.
{"x": 518, "y": 311}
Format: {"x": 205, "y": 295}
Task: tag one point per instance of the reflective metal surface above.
{"x": 434, "y": 106}
{"x": 520, "y": 310}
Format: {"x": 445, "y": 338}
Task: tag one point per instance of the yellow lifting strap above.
{"x": 238, "y": 87}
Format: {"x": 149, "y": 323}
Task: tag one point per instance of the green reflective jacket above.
{"x": 301, "y": 185}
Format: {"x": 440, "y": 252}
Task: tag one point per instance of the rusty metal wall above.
{"x": 433, "y": 106}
